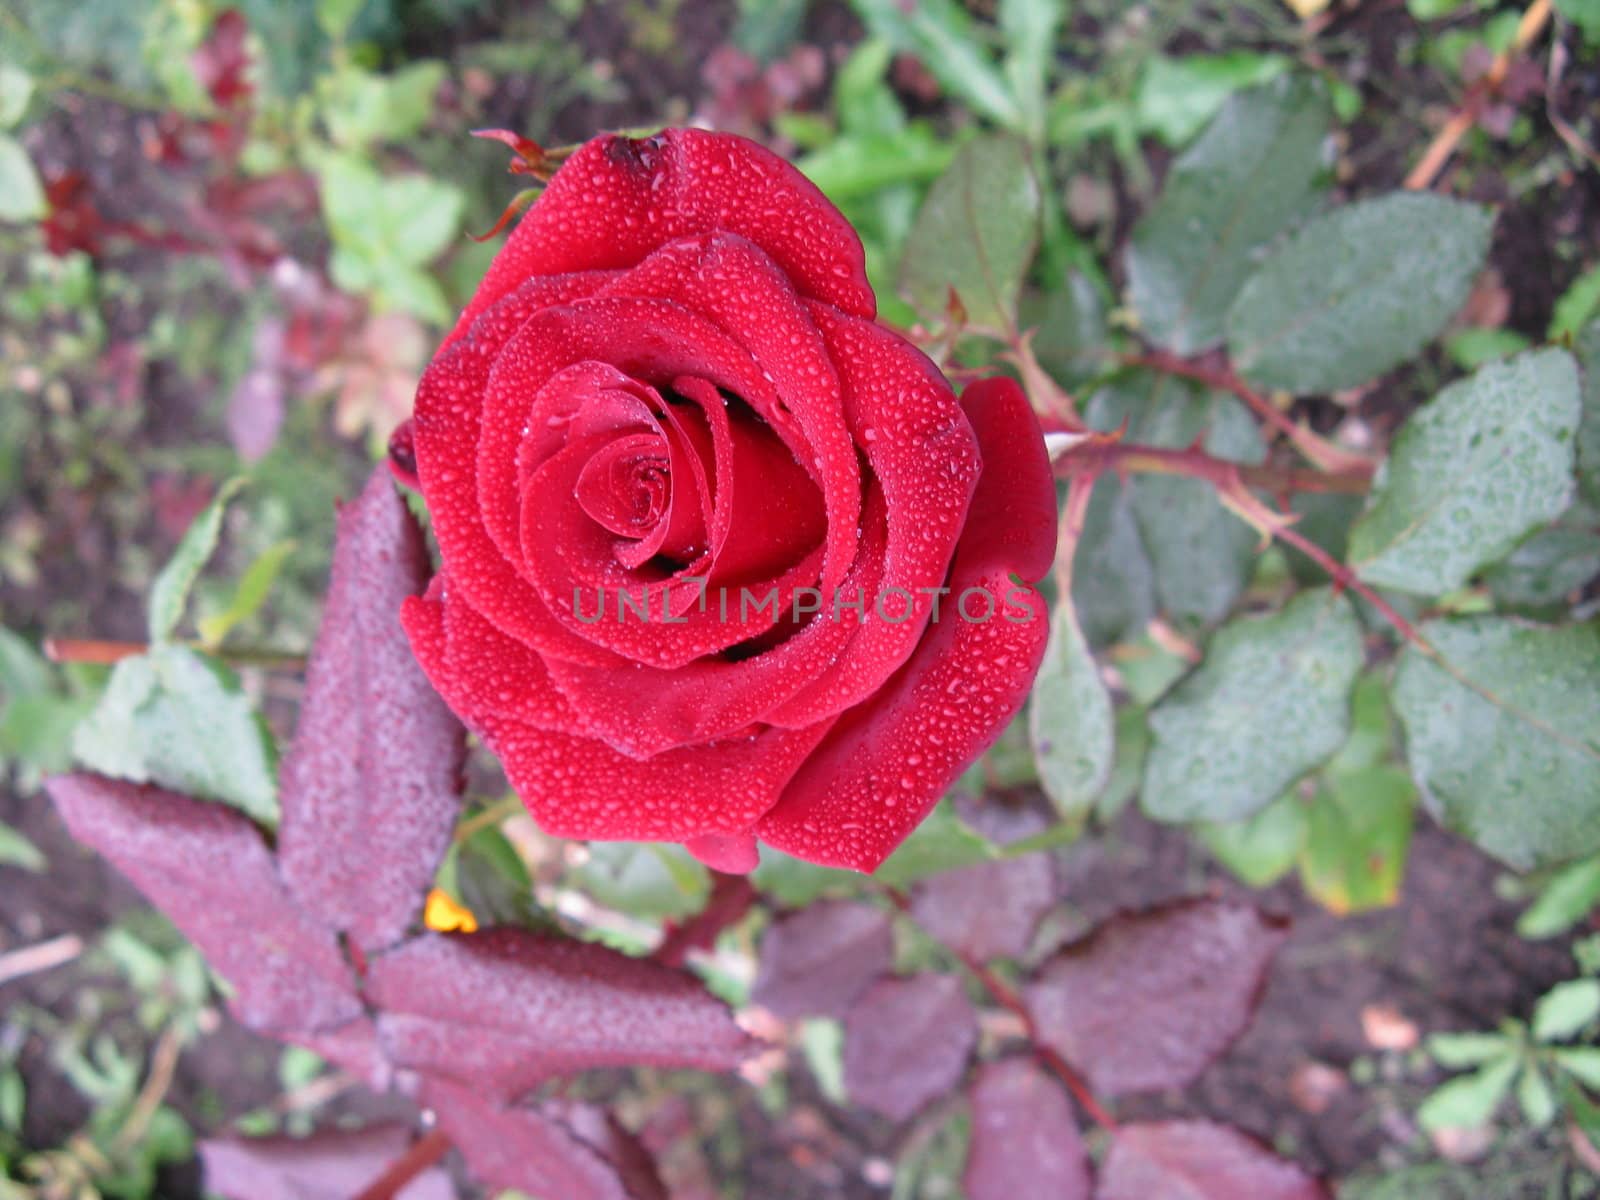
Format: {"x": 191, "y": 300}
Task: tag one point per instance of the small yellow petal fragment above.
{"x": 442, "y": 913}
{"x": 1306, "y": 8}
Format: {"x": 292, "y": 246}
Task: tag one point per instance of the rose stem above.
{"x": 98, "y": 650}
{"x": 423, "y": 1153}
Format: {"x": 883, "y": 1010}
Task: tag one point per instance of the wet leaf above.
{"x": 1251, "y": 175}
{"x": 1472, "y": 472}
{"x": 1025, "y": 1139}
{"x": 1201, "y": 553}
{"x": 169, "y": 594}
{"x": 990, "y": 910}
{"x": 1270, "y": 702}
{"x": 815, "y": 962}
{"x": 906, "y": 1042}
{"x": 1147, "y": 1001}
{"x": 207, "y": 868}
{"x": 1360, "y": 829}
{"x": 1070, "y": 719}
{"x": 371, "y": 782}
{"x": 1113, "y": 580}
{"x": 571, "y": 1151}
{"x": 1357, "y": 291}
{"x": 1198, "y": 1160}
{"x": 331, "y": 1165}
{"x": 505, "y": 1008}
{"x": 976, "y": 234}
{"x": 1177, "y": 96}
{"x": 1587, "y": 348}
{"x": 1541, "y": 575}
{"x": 1512, "y": 762}
{"x": 179, "y": 719}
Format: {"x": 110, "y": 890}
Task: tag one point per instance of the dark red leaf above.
{"x": 907, "y": 1041}
{"x": 1148, "y": 1001}
{"x": 1198, "y": 1160}
{"x": 222, "y": 61}
{"x": 559, "y": 1150}
{"x": 370, "y": 785}
{"x": 989, "y": 910}
{"x": 1024, "y": 1137}
{"x": 324, "y": 1166}
{"x": 207, "y": 868}
{"x": 506, "y": 1008}
{"x": 815, "y": 962}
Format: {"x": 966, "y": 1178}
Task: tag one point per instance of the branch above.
{"x": 108, "y": 653}
{"x": 1318, "y": 451}
{"x": 424, "y": 1152}
{"x": 1102, "y": 452}
{"x": 731, "y": 898}
{"x": 1426, "y": 172}
{"x": 1008, "y": 999}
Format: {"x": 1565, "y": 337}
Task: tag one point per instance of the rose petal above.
{"x": 616, "y": 200}
{"x": 887, "y": 762}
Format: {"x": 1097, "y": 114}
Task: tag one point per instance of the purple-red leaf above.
{"x": 815, "y": 962}
{"x": 569, "y": 1151}
{"x": 907, "y": 1041}
{"x": 1148, "y": 1001}
{"x": 370, "y": 787}
{"x": 1024, "y": 1137}
{"x": 324, "y": 1166}
{"x": 1198, "y": 1160}
{"x": 989, "y": 910}
{"x": 506, "y": 1008}
{"x": 206, "y": 867}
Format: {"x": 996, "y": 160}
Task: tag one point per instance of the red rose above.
{"x": 696, "y": 510}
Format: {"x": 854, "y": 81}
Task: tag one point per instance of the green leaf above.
{"x": 1588, "y": 350}
{"x": 1070, "y": 720}
{"x": 1566, "y": 899}
{"x": 169, "y": 594}
{"x": 1472, "y": 348}
{"x": 179, "y": 719}
{"x": 336, "y": 16}
{"x": 1578, "y": 305}
{"x": 940, "y": 33}
{"x": 860, "y": 165}
{"x": 1470, "y": 474}
{"x": 1585, "y": 14}
{"x": 1325, "y": 518}
{"x": 1127, "y": 768}
{"x": 254, "y": 586}
{"x": 18, "y": 851}
{"x": 1458, "y": 1050}
{"x": 1201, "y": 552}
{"x": 1177, "y": 96}
{"x": 362, "y": 107}
{"x": 16, "y": 89}
{"x": 1565, "y": 1009}
{"x": 1270, "y": 702}
{"x": 1030, "y": 28}
{"x": 1252, "y": 174}
{"x": 1360, "y": 830}
{"x": 1539, "y": 575}
{"x": 1513, "y": 760}
{"x": 491, "y": 880}
{"x": 794, "y": 883}
{"x": 941, "y": 843}
{"x": 976, "y": 233}
{"x": 1582, "y": 1062}
{"x": 1260, "y": 849}
{"x": 1535, "y": 1097}
{"x": 1371, "y": 729}
{"x": 645, "y": 879}
{"x": 1113, "y": 580}
{"x": 1470, "y": 1101}
{"x": 1357, "y": 291}
{"x": 21, "y": 194}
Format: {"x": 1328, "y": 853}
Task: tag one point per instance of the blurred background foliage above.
{"x": 232, "y": 233}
